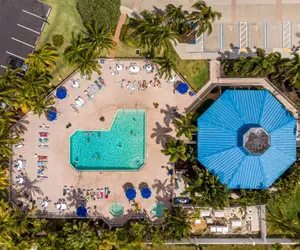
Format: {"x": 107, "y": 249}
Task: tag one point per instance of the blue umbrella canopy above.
{"x": 81, "y": 211}
{"x": 182, "y": 88}
{"x": 130, "y": 193}
{"x": 51, "y": 115}
{"x": 146, "y": 193}
{"x": 61, "y": 93}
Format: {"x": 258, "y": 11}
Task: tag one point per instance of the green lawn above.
{"x": 125, "y": 51}
{"x": 63, "y": 20}
{"x": 196, "y": 72}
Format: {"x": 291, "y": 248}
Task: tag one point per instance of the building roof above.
{"x": 247, "y": 138}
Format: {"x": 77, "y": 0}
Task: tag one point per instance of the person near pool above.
{"x": 132, "y": 133}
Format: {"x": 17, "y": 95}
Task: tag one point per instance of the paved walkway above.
{"x": 121, "y": 21}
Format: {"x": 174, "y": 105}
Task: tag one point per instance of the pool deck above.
{"x": 105, "y": 103}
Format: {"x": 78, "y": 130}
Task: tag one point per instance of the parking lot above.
{"x": 22, "y": 22}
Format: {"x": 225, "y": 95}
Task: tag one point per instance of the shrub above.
{"x": 58, "y": 40}
{"x": 103, "y": 12}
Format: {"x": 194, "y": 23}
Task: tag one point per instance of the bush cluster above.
{"x": 103, "y": 12}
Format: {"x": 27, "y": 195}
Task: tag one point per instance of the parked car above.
{"x": 16, "y": 63}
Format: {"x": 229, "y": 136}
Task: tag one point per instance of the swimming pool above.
{"x": 122, "y": 148}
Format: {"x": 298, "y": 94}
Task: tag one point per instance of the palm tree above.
{"x": 98, "y": 38}
{"x": 87, "y": 63}
{"x": 204, "y": 17}
{"x": 167, "y": 66}
{"x": 7, "y": 119}
{"x": 176, "y": 149}
{"x": 43, "y": 59}
{"x": 35, "y": 84}
{"x": 79, "y": 235}
{"x": 263, "y": 65}
{"x": 10, "y": 78}
{"x": 293, "y": 74}
{"x": 279, "y": 223}
{"x": 205, "y": 189}
{"x": 107, "y": 240}
{"x": 41, "y": 105}
{"x": 176, "y": 224}
{"x": 5, "y": 144}
{"x": 161, "y": 38}
{"x": 176, "y": 15}
{"x": 73, "y": 52}
{"x": 184, "y": 127}
{"x": 3, "y": 179}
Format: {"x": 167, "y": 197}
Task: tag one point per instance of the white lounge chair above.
{"x": 81, "y": 100}
{"x": 78, "y": 103}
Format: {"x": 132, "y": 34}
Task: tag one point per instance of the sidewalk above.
{"x": 121, "y": 21}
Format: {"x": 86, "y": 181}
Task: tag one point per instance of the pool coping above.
{"x": 145, "y": 142}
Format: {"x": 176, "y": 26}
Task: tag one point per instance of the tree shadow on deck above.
{"x": 161, "y": 134}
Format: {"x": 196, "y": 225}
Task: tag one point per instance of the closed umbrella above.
{"x": 182, "y": 88}
{"x": 158, "y": 209}
{"x": 61, "y": 93}
{"x": 81, "y": 211}
{"x": 130, "y": 193}
{"x": 51, "y": 115}
{"x": 146, "y": 193}
{"x": 116, "y": 209}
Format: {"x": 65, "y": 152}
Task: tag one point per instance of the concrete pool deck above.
{"x": 105, "y": 103}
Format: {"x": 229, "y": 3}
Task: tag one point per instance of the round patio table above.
{"x": 116, "y": 209}
{"x": 119, "y": 67}
{"x": 148, "y": 68}
{"x": 134, "y": 69}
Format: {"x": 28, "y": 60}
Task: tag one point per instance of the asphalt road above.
{"x": 21, "y": 24}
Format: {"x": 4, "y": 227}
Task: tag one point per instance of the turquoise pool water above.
{"x": 122, "y": 148}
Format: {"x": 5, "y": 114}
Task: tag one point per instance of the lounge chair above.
{"x": 78, "y": 103}
{"x": 101, "y": 81}
{"x": 74, "y": 108}
{"x": 94, "y": 88}
{"x": 43, "y": 146}
{"x": 89, "y": 95}
{"x": 81, "y": 100}
{"x": 44, "y": 134}
{"x": 98, "y": 85}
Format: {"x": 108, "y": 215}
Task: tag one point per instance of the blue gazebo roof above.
{"x": 223, "y": 137}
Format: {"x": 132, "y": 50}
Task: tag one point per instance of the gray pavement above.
{"x": 21, "y": 23}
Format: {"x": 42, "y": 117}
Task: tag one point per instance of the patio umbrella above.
{"x": 146, "y": 193}
{"x": 116, "y": 209}
{"x": 61, "y": 93}
{"x": 81, "y": 211}
{"x": 182, "y": 88}
{"x": 51, "y": 115}
{"x": 130, "y": 193}
{"x": 158, "y": 209}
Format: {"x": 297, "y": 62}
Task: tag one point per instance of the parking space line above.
{"x": 37, "y": 39}
{"x": 22, "y": 42}
{"x": 48, "y": 12}
{"x": 15, "y": 55}
{"x": 2, "y": 66}
{"x": 33, "y": 14}
{"x": 43, "y": 26}
{"x": 22, "y": 26}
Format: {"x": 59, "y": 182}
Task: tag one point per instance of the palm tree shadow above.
{"x": 163, "y": 189}
{"x": 235, "y": 53}
{"x": 161, "y": 134}
{"x": 75, "y": 200}
{"x": 30, "y": 189}
{"x": 169, "y": 114}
